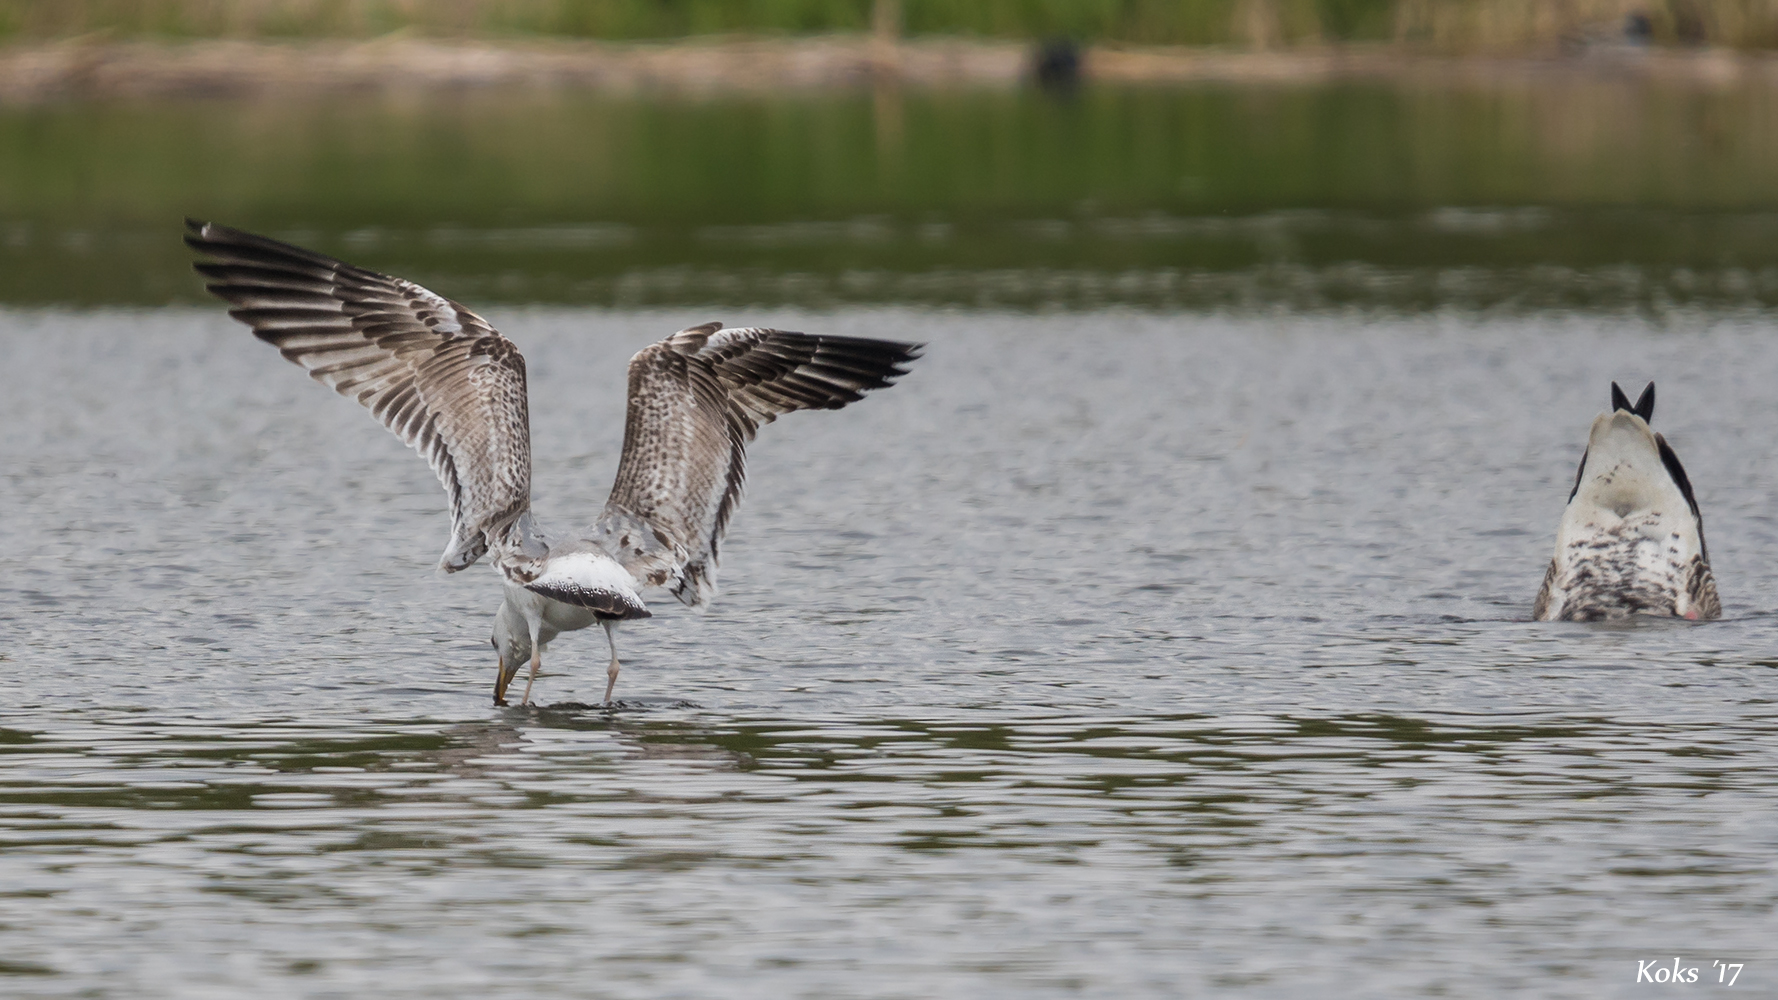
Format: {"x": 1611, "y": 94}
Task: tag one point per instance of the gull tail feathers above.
{"x": 592, "y": 580}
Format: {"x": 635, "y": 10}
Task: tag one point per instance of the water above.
{"x": 1109, "y": 654}
{"x": 1555, "y": 190}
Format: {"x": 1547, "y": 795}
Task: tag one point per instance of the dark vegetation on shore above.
{"x": 1439, "y": 25}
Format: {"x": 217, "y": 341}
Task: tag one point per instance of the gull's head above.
{"x": 512, "y": 644}
{"x": 511, "y": 641}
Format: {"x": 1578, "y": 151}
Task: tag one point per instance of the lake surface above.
{"x": 1109, "y": 654}
{"x": 1560, "y": 190}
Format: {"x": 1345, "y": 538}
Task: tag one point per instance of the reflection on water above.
{"x": 1110, "y": 654}
{"x": 1568, "y": 191}
{"x": 847, "y": 853}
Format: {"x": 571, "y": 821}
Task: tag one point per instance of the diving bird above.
{"x": 1631, "y": 540}
{"x": 451, "y": 387}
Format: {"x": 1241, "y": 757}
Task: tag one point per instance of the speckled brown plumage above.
{"x": 444, "y": 381}
{"x": 696, "y": 400}
{"x": 1631, "y": 540}
{"x": 437, "y": 375}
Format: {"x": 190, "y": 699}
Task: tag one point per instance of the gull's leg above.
{"x": 536, "y": 661}
{"x": 611, "y": 673}
{"x": 536, "y": 656}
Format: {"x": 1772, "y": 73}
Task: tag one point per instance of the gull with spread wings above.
{"x": 450, "y": 386}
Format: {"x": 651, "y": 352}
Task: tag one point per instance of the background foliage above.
{"x": 1448, "y": 24}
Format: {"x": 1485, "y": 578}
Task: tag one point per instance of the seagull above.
{"x": 450, "y": 386}
{"x": 1631, "y": 540}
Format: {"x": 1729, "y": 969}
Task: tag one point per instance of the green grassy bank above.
{"x": 1437, "y": 24}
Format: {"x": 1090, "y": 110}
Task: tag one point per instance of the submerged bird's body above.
{"x": 449, "y": 385}
{"x": 1631, "y": 540}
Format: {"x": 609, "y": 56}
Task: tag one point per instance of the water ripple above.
{"x": 1164, "y": 665}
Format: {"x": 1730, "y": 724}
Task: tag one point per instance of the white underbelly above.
{"x": 560, "y": 617}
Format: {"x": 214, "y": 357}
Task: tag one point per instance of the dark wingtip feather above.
{"x": 1670, "y": 459}
{"x": 885, "y": 359}
{"x": 1580, "y": 471}
{"x": 906, "y": 354}
{"x": 1645, "y": 404}
{"x": 194, "y": 234}
{"x": 238, "y": 245}
{"x": 1619, "y": 401}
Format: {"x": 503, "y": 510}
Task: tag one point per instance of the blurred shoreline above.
{"x": 104, "y": 69}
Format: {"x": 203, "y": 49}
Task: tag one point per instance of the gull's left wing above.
{"x": 695, "y": 400}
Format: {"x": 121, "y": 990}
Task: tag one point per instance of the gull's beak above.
{"x": 501, "y": 679}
